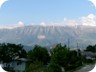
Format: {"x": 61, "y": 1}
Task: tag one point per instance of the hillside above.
{"x": 50, "y": 35}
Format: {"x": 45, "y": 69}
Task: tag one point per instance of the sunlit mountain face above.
{"x": 50, "y": 35}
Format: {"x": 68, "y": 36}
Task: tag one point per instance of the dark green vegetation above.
{"x": 10, "y": 52}
{"x": 57, "y": 59}
{"x": 91, "y": 48}
{"x": 39, "y": 54}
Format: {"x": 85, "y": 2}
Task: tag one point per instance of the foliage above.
{"x": 53, "y": 68}
{"x": 40, "y": 61}
{"x": 39, "y": 54}
{"x": 74, "y": 60}
{"x": 59, "y": 55}
{"x": 8, "y": 52}
{"x": 35, "y": 67}
{"x": 69, "y": 59}
{"x": 91, "y": 48}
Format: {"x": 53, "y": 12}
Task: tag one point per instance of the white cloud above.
{"x": 43, "y": 24}
{"x": 93, "y": 2}
{"x": 91, "y": 16}
{"x": 69, "y": 22}
{"x": 6, "y": 27}
{"x": 89, "y": 20}
{"x": 20, "y": 24}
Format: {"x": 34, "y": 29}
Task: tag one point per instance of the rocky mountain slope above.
{"x": 50, "y": 35}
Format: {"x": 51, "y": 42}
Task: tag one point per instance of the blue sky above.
{"x": 37, "y": 11}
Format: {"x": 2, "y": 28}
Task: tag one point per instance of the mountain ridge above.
{"x": 50, "y": 35}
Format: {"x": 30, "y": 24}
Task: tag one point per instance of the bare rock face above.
{"x": 50, "y": 35}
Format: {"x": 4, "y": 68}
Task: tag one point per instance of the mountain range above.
{"x": 72, "y": 36}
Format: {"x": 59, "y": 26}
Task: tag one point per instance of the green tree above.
{"x": 53, "y": 68}
{"x": 39, "y": 54}
{"x": 91, "y": 48}
{"x": 59, "y": 55}
{"x": 74, "y": 60}
{"x": 9, "y": 52}
{"x": 37, "y": 66}
{"x": 64, "y": 57}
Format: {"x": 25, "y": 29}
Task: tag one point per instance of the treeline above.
{"x": 40, "y": 59}
{"x": 10, "y": 52}
{"x": 58, "y": 59}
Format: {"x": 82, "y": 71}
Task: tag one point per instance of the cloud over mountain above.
{"x": 19, "y": 24}
{"x": 89, "y": 20}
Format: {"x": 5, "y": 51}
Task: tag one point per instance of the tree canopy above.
{"x": 9, "y": 52}
{"x": 39, "y": 54}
